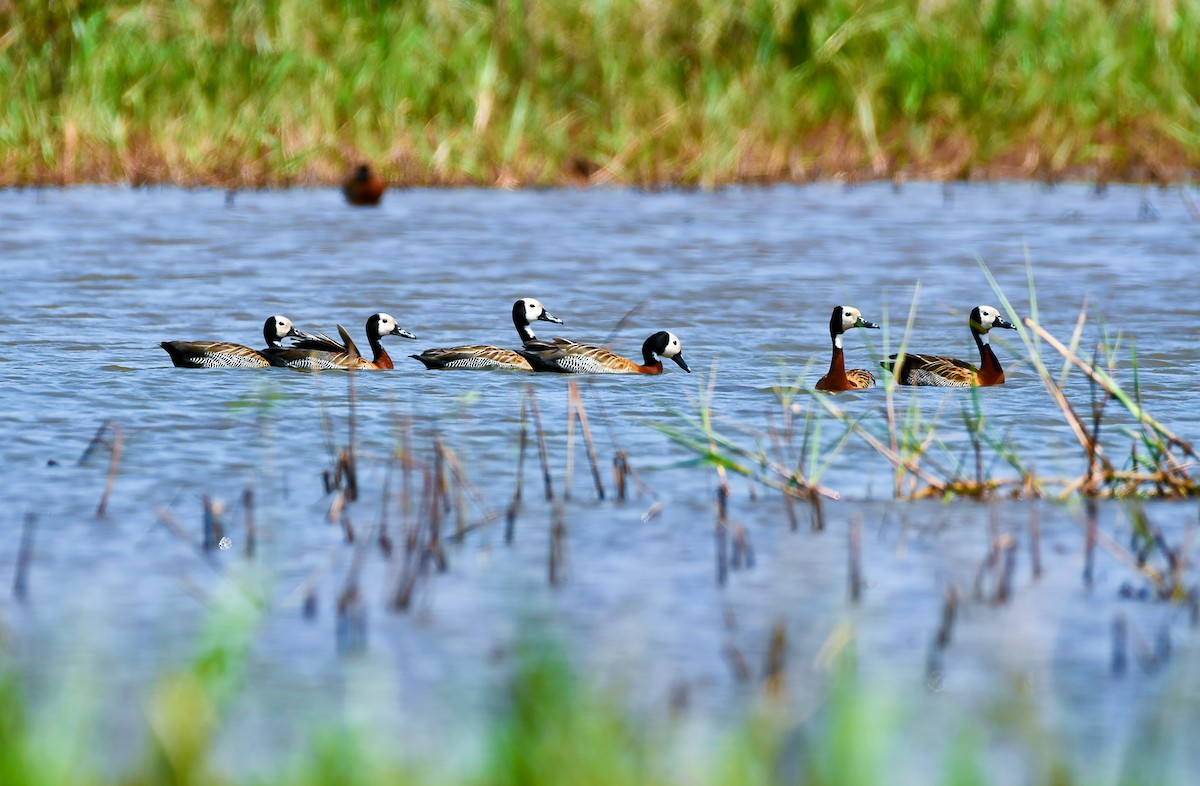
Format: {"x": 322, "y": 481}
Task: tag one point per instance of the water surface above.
{"x": 96, "y": 277}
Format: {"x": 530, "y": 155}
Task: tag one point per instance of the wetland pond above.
{"x": 96, "y": 277}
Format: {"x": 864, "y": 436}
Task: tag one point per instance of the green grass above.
{"x": 629, "y": 91}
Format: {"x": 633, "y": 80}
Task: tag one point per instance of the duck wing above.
{"x": 933, "y": 370}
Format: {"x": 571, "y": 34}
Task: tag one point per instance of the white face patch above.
{"x": 386, "y": 324}
{"x": 850, "y": 317}
{"x": 283, "y": 326}
{"x": 673, "y": 347}
{"x": 533, "y": 309}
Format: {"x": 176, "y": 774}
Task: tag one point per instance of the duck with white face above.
{"x": 223, "y": 354}
{"x": 318, "y": 352}
{"x": 567, "y": 357}
{"x": 838, "y": 378}
{"x": 941, "y": 371}
{"x": 484, "y": 357}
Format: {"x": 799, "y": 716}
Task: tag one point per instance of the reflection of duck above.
{"x": 951, "y": 372}
{"x": 364, "y": 187}
{"x": 838, "y": 378}
{"x": 222, "y": 354}
{"x": 568, "y": 357}
{"x": 313, "y": 353}
{"x": 480, "y": 356}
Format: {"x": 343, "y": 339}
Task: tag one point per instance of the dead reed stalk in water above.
{"x": 556, "y": 566}
{"x": 935, "y": 663}
{"x": 775, "y": 668}
{"x": 577, "y": 411}
{"x": 114, "y": 463}
{"x": 1089, "y": 551}
{"x": 743, "y": 551}
{"x": 1008, "y": 550}
{"x": 436, "y": 494}
{"x": 620, "y": 473}
{"x": 251, "y": 531}
{"x": 1035, "y": 542}
{"x": 351, "y": 632}
{"x": 213, "y": 532}
{"x": 721, "y": 530}
{"x": 1120, "y": 646}
{"x": 541, "y": 438}
{"x": 385, "y": 538}
{"x": 20, "y": 587}
{"x": 514, "y": 506}
{"x": 854, "y": 537}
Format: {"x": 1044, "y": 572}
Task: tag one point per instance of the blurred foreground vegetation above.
{"x": 648, "y": 92}
{"x": 551, "y": 728}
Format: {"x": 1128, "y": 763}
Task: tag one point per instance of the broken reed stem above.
{"x": 576, "y": 409}
{"x": 1089, "y": 556}
{"x": 570, "y": 472}
{"x": 855, "y": 558}
{"x": 743, "y": 552}
{"x": 510, "y": 518}
{"x": 448, "y": 467}
{"x": 248, "y": 509}
{"x": 775, "y": 668}
{"x": 1004, "y": 588}
{"x": 1120, "y": 646}
{"x": 541, "y": 437}
{"x": 620, "y": 472}
{"x": 1035, "y": 542}
{"x": 211, "y": 526}
{"x": 97, "y": 439}
{"x": 351, "y": 631}
{"x": 385, "y": 538}
{"x": 945, "y": 629}
{"x": 406, "y": 476}
{"x": 721, "y": 531}
{"x": 20, "y": 587}
{"x": 936, "y": 660}
{"x": 114, "y": 464}
{"x": 556, "y": 567}
{"x": 436, "y": 493}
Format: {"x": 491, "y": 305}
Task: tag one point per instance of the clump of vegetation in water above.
{"x": 926, "y": 462}
{"x": 540, "y": 92}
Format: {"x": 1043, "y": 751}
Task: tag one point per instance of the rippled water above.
{"x": 96, "y": 277}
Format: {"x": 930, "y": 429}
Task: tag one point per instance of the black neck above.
{"x": 521, "y": 323}
{"x": 648, "y": 358}
{"x": 376, "y": 347}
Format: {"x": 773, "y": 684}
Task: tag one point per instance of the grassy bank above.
{"x": 518, "y": 92}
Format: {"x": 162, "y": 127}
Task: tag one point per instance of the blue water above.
{"x": 96, "y": 277}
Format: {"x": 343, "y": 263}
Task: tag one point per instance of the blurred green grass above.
{"x": 550, "y": 725}
{"x": 648, "y": 92}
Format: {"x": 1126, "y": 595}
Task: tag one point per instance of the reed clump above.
{"x": 538, "y": 92}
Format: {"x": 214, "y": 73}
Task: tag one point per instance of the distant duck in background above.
{"x": 941, "y": 371}
{"x": 222, "y": 354}
{"x": 317, "y": 352}
{"x": 567, "y": 357}
{"x": 363, "y": 187}
{"x": 484, "y": 357}
{"x": 838, "y": 378}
